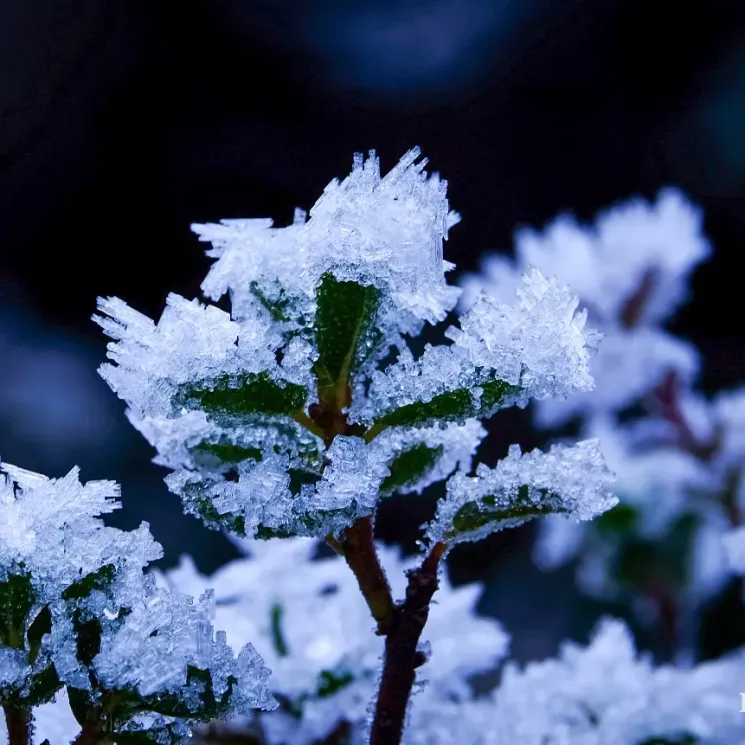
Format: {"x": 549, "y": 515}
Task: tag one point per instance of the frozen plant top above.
{"x": 281, "y": 418}
{"x": 381, "y": 231}
{"x": 77, "y": 612}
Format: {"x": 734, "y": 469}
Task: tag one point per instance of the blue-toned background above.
{"x": 122, "y": 121}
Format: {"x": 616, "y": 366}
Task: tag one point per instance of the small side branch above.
{"x": 90, "y": 734}
{"x": 18, "y": 722}
{"x": 401, "y": 656}
{"x": 358, "y": 548}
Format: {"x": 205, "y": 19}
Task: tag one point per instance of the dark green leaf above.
{"x": 41, "y": 625}
{"x": 345, "y": 316}
{"x": 333, "y": 681}
{"x": 475, "y": 515}
{"x": 17, "y": 597}
{"x": 277, "y": 308}
{"x": 226, "y": 452}
{"x": 451, "y": 406}
{"x": 243, "y": 395}
{"x": 278, "y": 638}
{"x": 642, "y": 563}
{"x": 685, "y": 739}
{"x": 101, "y": 580}
{"x": 411, "y": 466}
{"x": 87, "y": 637}
{"x": 42, "y": 687}
{"x": 622, "y": 518}
{"x": 79, "y": 704}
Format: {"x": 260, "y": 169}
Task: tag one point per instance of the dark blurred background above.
{"x": 123, "y": 121}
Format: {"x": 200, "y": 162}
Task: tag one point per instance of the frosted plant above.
{"x": 679, "y": 456}
{"x": 297, "y": 412}
{"x": 602, "y": 694}
{"x": 77, "y": 615}
{"x": 324, "y": 673}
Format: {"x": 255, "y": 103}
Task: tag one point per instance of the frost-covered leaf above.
{"x": 411, "y": 466}
{"x": 344, "y": 326}
{"x": 568, "y": 480}
{"x": 246, "y": 394}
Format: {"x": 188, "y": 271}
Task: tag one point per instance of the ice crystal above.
{"x": 568, "y": 480}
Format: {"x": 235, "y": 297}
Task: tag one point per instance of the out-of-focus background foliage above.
{"x": 123, "y": 121}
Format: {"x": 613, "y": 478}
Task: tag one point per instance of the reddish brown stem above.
{"x": 90, "y": 734}
{"x": 401, "y": 657}
{"x": 359, "y": 551}
{"x": 18, "y": 722}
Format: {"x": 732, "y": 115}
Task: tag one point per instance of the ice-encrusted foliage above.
{"x": 568, "y": 481}
{"x": 78, "y": 614}
{"x": 602, "y": 694}
{"x": 281, "y": 418}
{"x": 324, "y": 672}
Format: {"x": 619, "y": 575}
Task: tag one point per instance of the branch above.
{"x": 358, "y": 546}
{"x": 401, "y": 656}
{"x": 18, "y": 721}
{"x": 90, "y": 734}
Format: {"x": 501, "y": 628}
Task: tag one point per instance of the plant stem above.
{"x": 90, "y": 734}
{"x": 401, "y": 657}
{"x": 18, "y": 721}
{"x": 359, "y": 551}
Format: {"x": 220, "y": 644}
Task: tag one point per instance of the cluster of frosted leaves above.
{"x": 631, "y": 270}
{"x": 325, "y": 672}
{"x": 602, "y": 694}
{"x": 571, "y": 481}
{"x": 679, "y": 496}
{"x": 77, "y": 612}
{"x": 501, "y": 355}
{"x": 234, "y": 404}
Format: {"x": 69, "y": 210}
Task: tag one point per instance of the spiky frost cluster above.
{"x": 280, "y": 418}
{"x": 78, "y": 614}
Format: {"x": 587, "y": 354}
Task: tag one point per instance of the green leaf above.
{"x": 79, "y": 704}
{"x": 450, "y": 406}
{"x": 410, "y": 466}
{"x": 278, "y": 638}
{"x": 664, "y": 561}
{"x": 245, "y": 394}
{"x": 42, "y": 687}
{"x": 87, "y": 638}
{"x": 332, "y": 681}
{"x": 623, "y": 518}
{"x": 685, "y": 739}
{"x": 41, "y": 625}
{"x": 344, "y": 324}
{"x": 101, "y": 580}
{"x": 226, "y": 452}
{"x": 166, "y": 735}
{"x": 278, "y": 309}
{"x": 17, "y": 597}
{"x": 475, "y": 515}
